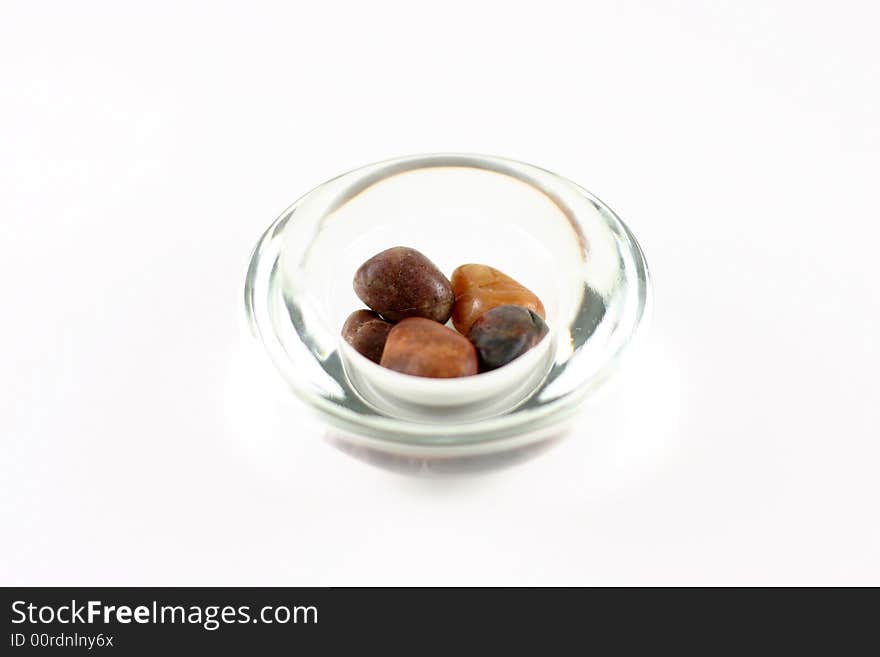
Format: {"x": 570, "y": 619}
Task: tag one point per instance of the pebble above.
{"x": 480, "y": 288}
{"x": 366, "y": 332}
{"x": 401, "y": 282}
{"x": 422, "y": 347}
{"x": 504, "y": 333}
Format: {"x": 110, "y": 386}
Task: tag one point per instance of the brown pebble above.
{"x": 366, "y": 332}
{"x": 422, "y": 347}
{"x": 401, "y": 282}
{"x": 504, "y": 334}
{"x": 479, "y": 288}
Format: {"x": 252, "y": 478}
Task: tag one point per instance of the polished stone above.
{"x": 400, "y": 282}
{"x": 422, "y": 347}
{"x": 366, "y": 332}
{"x": 479, "y": 288}
{"x": 505, "y": 333}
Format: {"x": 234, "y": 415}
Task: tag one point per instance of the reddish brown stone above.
{"x": 366, "y": 332}
{"x": 422, "y": 347}
{"x": 479, "y": 288}
{"x": 401, "y": 282}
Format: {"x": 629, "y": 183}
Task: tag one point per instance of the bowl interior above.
{"x": 454, "y": 215}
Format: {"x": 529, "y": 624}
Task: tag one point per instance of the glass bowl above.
{"x": 546, "y": 232}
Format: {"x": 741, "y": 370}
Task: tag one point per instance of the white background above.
{"x": 144, "y": 147}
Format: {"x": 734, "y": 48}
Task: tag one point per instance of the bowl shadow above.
{"x": 441, "y": 465}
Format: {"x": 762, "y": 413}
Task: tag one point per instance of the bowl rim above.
{"x": 520, "y": 425}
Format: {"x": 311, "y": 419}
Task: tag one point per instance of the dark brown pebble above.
{"x": 366, "y": 332}
{"x": 401, "y": 282}
{"x": 422, "y": 347}
{"x": 504, "y": 333}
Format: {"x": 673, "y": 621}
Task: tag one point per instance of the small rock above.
{"x": 505, "y": 333}
{"x": 422, "y": 347}
{"x": 401, "y": 282}
{"x": 366, "y": 332}
{"x": 479, "y": 288}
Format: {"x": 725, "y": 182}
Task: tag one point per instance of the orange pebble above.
{"x": 479, "y": 288}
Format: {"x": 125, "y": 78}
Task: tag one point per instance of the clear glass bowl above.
{"x": 551, "y": 235}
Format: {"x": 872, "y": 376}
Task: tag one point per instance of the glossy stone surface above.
{"x": 504, "y": 333}
{"x": 366, "y": 332}
{"x": 401, "y": 282}
{"x": 422, "y": 347}
{"x": 479, "y": 288}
